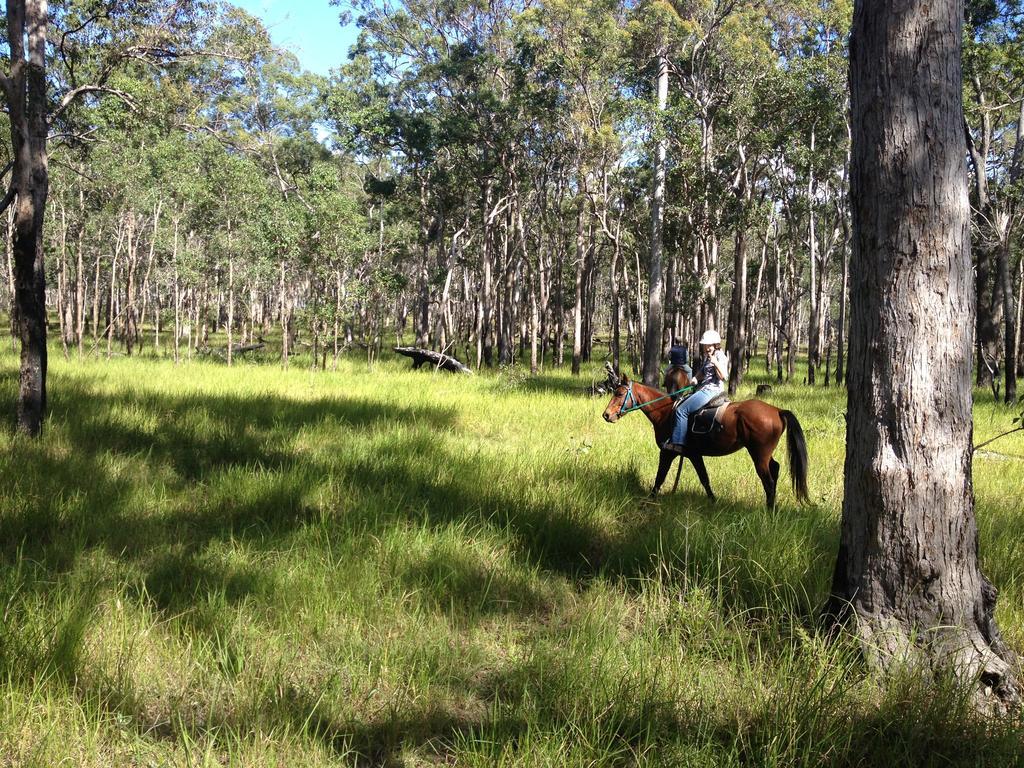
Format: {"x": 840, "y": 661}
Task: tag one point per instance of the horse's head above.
{"x": 622, "y": 395}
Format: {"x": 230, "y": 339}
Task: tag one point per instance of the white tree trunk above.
{"x": 655, "y": 296}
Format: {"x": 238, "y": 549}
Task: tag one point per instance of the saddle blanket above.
{"x": 709, "y": 418}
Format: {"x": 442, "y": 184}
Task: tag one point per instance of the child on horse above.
{"x": 679, "y": 373}
{"x": 712, "y": 373}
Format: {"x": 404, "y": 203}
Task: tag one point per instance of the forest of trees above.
{"x": 552, "y": 184}
{"x": 507, "y": 183}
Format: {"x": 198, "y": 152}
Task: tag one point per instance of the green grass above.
{"x": 202, "y": 566}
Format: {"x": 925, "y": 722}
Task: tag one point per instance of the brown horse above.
{"x": 751, "y": 424}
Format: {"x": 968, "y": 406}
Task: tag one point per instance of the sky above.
{"x": 308, "y": 28}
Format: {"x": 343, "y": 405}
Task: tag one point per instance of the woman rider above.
{"x": 712, "y": 373}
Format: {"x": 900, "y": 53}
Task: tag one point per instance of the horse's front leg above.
{"x": 664, "y": 462}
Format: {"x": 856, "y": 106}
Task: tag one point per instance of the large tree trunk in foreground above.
{"x": 25, "y": 92}
{"x": 907, "y": 575}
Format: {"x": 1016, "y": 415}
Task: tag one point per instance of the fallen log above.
{"x": 435, "y": 359}
{"x": 247, "y": 348}
{"x": 237, "y": 350}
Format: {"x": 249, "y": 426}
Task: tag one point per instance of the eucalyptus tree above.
{"x": 458, "y": 99}
{"x": 907, "y": 575}
{"x": 24, "y": 87}
{"x": 357, "y": 109}
{"x": 662, "y": 18}
{"x": 577, "y": 53}
{"x": 61, "y": 55}
{"x": 335, "y": 234}
{"x": 809, "y": 40}
{"x": 994, "y": 97}
{"x": 747, "y": 119}
{"x": 177, "y": 162}
{"x": 720, "y": 121}
{"x": 263, "y": 108}
{"x": 700, "y": 61}
{"x": 419, "y": 56}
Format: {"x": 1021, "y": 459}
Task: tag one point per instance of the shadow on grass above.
{"x": 184, "y": 441}
{"x": 87, "y": 497}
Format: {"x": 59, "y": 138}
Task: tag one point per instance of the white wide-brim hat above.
{"x": 710, "y": 337}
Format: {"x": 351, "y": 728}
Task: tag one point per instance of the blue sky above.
{"x": 308, "y": 28}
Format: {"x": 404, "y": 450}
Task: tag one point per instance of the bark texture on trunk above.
{"x": 1009, "y": 322}
{"x": 907, "y": 575}
{"x": 738, "y": 313}
{"x": 25, "y": 92}
{"x": 577, "y": 314}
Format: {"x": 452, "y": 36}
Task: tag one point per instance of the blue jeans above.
{"x": 688, "y": 407}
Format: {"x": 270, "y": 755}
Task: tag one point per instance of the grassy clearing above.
{"x": 208, "y": 567}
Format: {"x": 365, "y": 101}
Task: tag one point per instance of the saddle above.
{"x": 708, "y": 420}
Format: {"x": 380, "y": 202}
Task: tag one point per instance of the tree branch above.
{"x": 77, "y": 135}
{"x": 74, "y": 93}
{"x": 7, "y": 86}
{"x": 1004, "y": 434}
{"x": 8, "y": 198}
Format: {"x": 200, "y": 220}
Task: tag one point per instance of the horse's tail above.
{"x": 797, "y": 446}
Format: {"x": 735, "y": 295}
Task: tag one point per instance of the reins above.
{"x": 636, "y": 407}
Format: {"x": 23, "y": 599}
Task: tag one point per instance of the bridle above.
{"x": 629, "y": 402}
{"x": 629, "y": 398}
